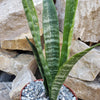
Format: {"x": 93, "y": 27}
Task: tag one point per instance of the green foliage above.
{"x": 54, "y": 68}
{"x": 36, "y": 54}
{"x": 70, "y": 10}
{"x": 51, "y": 36}
{"x": 64, "y": 71}
{"x": 34, "y": 27}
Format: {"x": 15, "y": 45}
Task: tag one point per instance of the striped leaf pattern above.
{"x": 34, "y": 49}
{"x": 70, "y": 10}
{"x": 53, "y": 74}
{"x": 34, "y": 27}
{"x": 64, "y": 71}
{"x": 51, "y": 36}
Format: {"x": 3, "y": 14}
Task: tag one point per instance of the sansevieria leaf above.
{"x": 51, "y": 36}
{"x": 34, "y": 27}
{"x": 34, "y": 49}
{"x": 70, "y": 10}
{"x": 64, "y": 71}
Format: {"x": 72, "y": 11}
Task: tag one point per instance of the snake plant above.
{"x": 55, "y": 66}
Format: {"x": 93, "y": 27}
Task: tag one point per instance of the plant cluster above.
{"x": 55, "y": 66}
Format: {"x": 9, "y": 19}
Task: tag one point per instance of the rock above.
{"x": 8, "y": 53}
{"x": 13, "y": 24}
{"x": 88, "y": 67}
{"x": 83, "y": 89}
{"x": 5, "y": 88}
{"x": 2, "y": 97}
{"x": 11, "y": 62}
{"x": 60, "y": 6}
{"x": 87, "y": 20}
{"x": 23, "y": 77}
{"x": 19, "y": 42}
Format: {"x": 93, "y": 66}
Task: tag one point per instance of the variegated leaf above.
{"x": 36, "y": 54}
{"x": 64, "y": 71}
{"x": 70, "y": 10}
{"x": 34, "y": 27}
{"x": 51, "y": 36}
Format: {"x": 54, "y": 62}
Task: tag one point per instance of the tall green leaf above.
{"x": 35, "y": 52}
{"x": 34, "y": 27}
{"x": 51, "y": 36}
{"x": 70, "y": 10}
{"x": 64, "y": 71}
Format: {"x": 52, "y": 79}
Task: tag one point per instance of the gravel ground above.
{"x": 36, "y": 91}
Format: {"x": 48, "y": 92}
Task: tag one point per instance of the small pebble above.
{"x": 36, "y": 91}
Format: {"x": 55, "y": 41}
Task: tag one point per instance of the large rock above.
{"x": 87, "y": 19}
{"x": 12, "y": 62}
{"x": 23, "y": 77}
{"x": 88, "y": 67}
{"x": 85, "y": 90}
{"x": 5, "y": 88}
{"x": 19, "y": 42}
{"x": 13, "y": 24}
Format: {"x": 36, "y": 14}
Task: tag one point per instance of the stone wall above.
{"x": 15, "y": 52}
{"x": 87, "y": 20}
{"x": 84, "y": 78}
